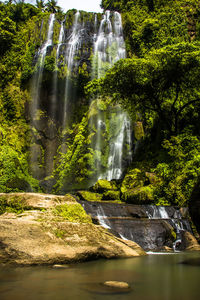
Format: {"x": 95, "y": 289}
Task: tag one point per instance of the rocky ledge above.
{"x": 38, "y": 229}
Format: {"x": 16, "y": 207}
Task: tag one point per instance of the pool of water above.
{"x": 153, "y": 277}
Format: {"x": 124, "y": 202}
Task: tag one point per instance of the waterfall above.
{"x": 73, "y": 46}
{"x": 137, "y": 223}
{"x": 160, "y": 212}
{"x": 38, "y": 76}
{"x": 55, "y": 78}
{"x": 116, "y": 149}
{"x": 103, "y": 221}
{"x": 37, "y": 103}
{"x": 109, "y": 46}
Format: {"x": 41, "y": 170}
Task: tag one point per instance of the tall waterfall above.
{"x": 55, "y": 79}
{"x": 109, "y": 46}
{"x": 72, "y": 49}
{"x": 38, "y": 76}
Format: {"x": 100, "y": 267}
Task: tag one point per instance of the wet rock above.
{"x": 117, "y": 284}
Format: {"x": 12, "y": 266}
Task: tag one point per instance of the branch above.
{"x": 187, "y": 104}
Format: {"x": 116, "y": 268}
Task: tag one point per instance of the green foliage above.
{"x": 72, "y": 213}
{"x": 180, "y": 174}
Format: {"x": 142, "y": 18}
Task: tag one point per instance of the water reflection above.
{"x": 154, "y": 277}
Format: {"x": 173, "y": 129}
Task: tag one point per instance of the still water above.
{"x": 153, "y": 277}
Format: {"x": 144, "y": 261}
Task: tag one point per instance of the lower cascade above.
{"x": 154, "y": 228}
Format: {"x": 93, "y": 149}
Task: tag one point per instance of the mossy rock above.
{"x": 139, "y": 195}
{"x": 111, "y": 195}
{"x": 133, "y": 179}
{"x": 103, "y": 185}
{"x": 89, "y": 196}
{"x": 138, "y": 130}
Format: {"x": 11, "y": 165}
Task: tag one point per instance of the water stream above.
{"x": 153, "y": 277}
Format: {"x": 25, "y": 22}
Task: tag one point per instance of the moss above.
{"x": 72, "y": 213}
{"x": 133, "y": 179}
{"x": 173, "y": 234}
{"x": 111, "y": 195}
{"x": 12, "y": 204}
{"x": 138, "y": 130}
{"x": 69, "y": 198}
{"x": 59, "y": 233}
{"x": 140, "y": 195}
{"x": 104, "y": 185}
{"x": 89, "y": 196}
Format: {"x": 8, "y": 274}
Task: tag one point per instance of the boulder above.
{"x": 140, "y": 195}
{"x": 189, "y": 241}
{"x": 41, "y": 237}
{"x": 89, "y": 196}
{"x": 117, "y": 284}
{"x": 103, "y": 185}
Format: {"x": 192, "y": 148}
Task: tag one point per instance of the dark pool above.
{"x": 154, "y": 277}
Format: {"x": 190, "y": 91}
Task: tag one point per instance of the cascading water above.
{"x": 160, "y": 212}
{"x": 39, "y": 74}
{"x": 37, "y": 98}
{"x": 103, "y": 221}
{"x": 109, "y": 47}
{"x": 72, "y": 49}
{"x": 148, "y": 225}
{"x": 55, "y": 79}
{"x": 116, "y": 149}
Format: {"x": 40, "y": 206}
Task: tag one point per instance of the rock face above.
{"x": 38, "y": 236}
{"x": 153, "y": 228}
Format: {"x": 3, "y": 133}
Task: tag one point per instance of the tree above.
{"x": 52, "y": 6}
{"x": 40, "y": 4}
{"x": 166, "y": 82}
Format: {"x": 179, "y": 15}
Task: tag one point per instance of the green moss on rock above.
{"x": 72, "y": 213}
{"x": 139, "y": 195}
{"x": 133, "y": 179}
{"x": 111, "y": 195}
{"x": 103, "y": 185}
{"x": 89, "y": 196}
